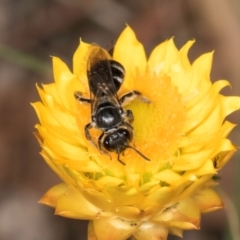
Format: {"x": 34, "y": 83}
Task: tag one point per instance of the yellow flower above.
{"x": 182, "y": 131}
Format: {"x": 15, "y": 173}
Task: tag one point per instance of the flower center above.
{"x": 158, "y": 125}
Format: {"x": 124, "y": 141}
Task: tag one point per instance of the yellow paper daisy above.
{"x": 182, "y": 131}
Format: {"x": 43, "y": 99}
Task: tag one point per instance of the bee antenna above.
{"x": 143, "y": 156}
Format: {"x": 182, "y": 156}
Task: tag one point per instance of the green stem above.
{"x": 24, "y": 60}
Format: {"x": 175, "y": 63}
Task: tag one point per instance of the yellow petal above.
{"x": 202, "y": 68}
{"x": 114, "y": 228}
{"x": 208, "y": 108}
{"x": 183, "y": 53}
{"x": 60, "y": 169}
{"x": 184, "y": 215}
{"x": 190, "y": 161}
{"x": 151, "y": 231}
{"x": 91, "y": 232}
{"x": 161, "y": 196}
{"x": 168, "y": 176}
{"x": 80, "y": 62}
{"x": 51, "y": 197}
{"x": 44, "y": 115}
{"x": 208, "y": 200}
{"x": 72, "y": 204}
{"x": 176, "y": 231}
{"x": 131, "y": 54}
{"x": 65, "y": 149}
{"x": 163, "y": 56}
{"x": 82, "y": 165}
{"x": 206, "y": 169}
{"x": 109, "y": 179}
{"x": 122, "y": 195}
{"x": 66, "y": 83}
{"x": 51, "y": 89}
{"x": 128, "y": 212}
{"x": 181, "y": 72}
{"x": 98, "y": 198}
{"x": 226, "y": 151}
{"x": 55, "y": 118}
{"x": 194, "y": 185}
{"x": 230, "y": 104}
{"x": 196, "y": 142}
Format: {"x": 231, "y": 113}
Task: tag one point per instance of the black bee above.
{"x": 105, "y": 77}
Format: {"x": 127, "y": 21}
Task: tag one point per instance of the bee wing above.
{"x": 100, "y": 78}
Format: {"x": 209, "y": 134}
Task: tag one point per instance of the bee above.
{"x": 105, "y": 77}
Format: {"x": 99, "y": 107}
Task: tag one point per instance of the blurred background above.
{"x": 31, "y": 31}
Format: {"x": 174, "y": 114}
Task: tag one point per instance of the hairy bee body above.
{"x": 105, "y": 77}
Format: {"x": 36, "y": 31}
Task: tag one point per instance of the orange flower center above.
{"x": 158, "y": 125}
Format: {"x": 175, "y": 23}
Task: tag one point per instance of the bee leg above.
{"x": 90, "y": 139}
{"x": 100, "y": 139}
{"x": 80, "y": 98}
{"x": 88, "y": 135}
{"x": 129, "y": 116}
{"x": 130, "y": 96}
{"x": 128, "y": 126}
